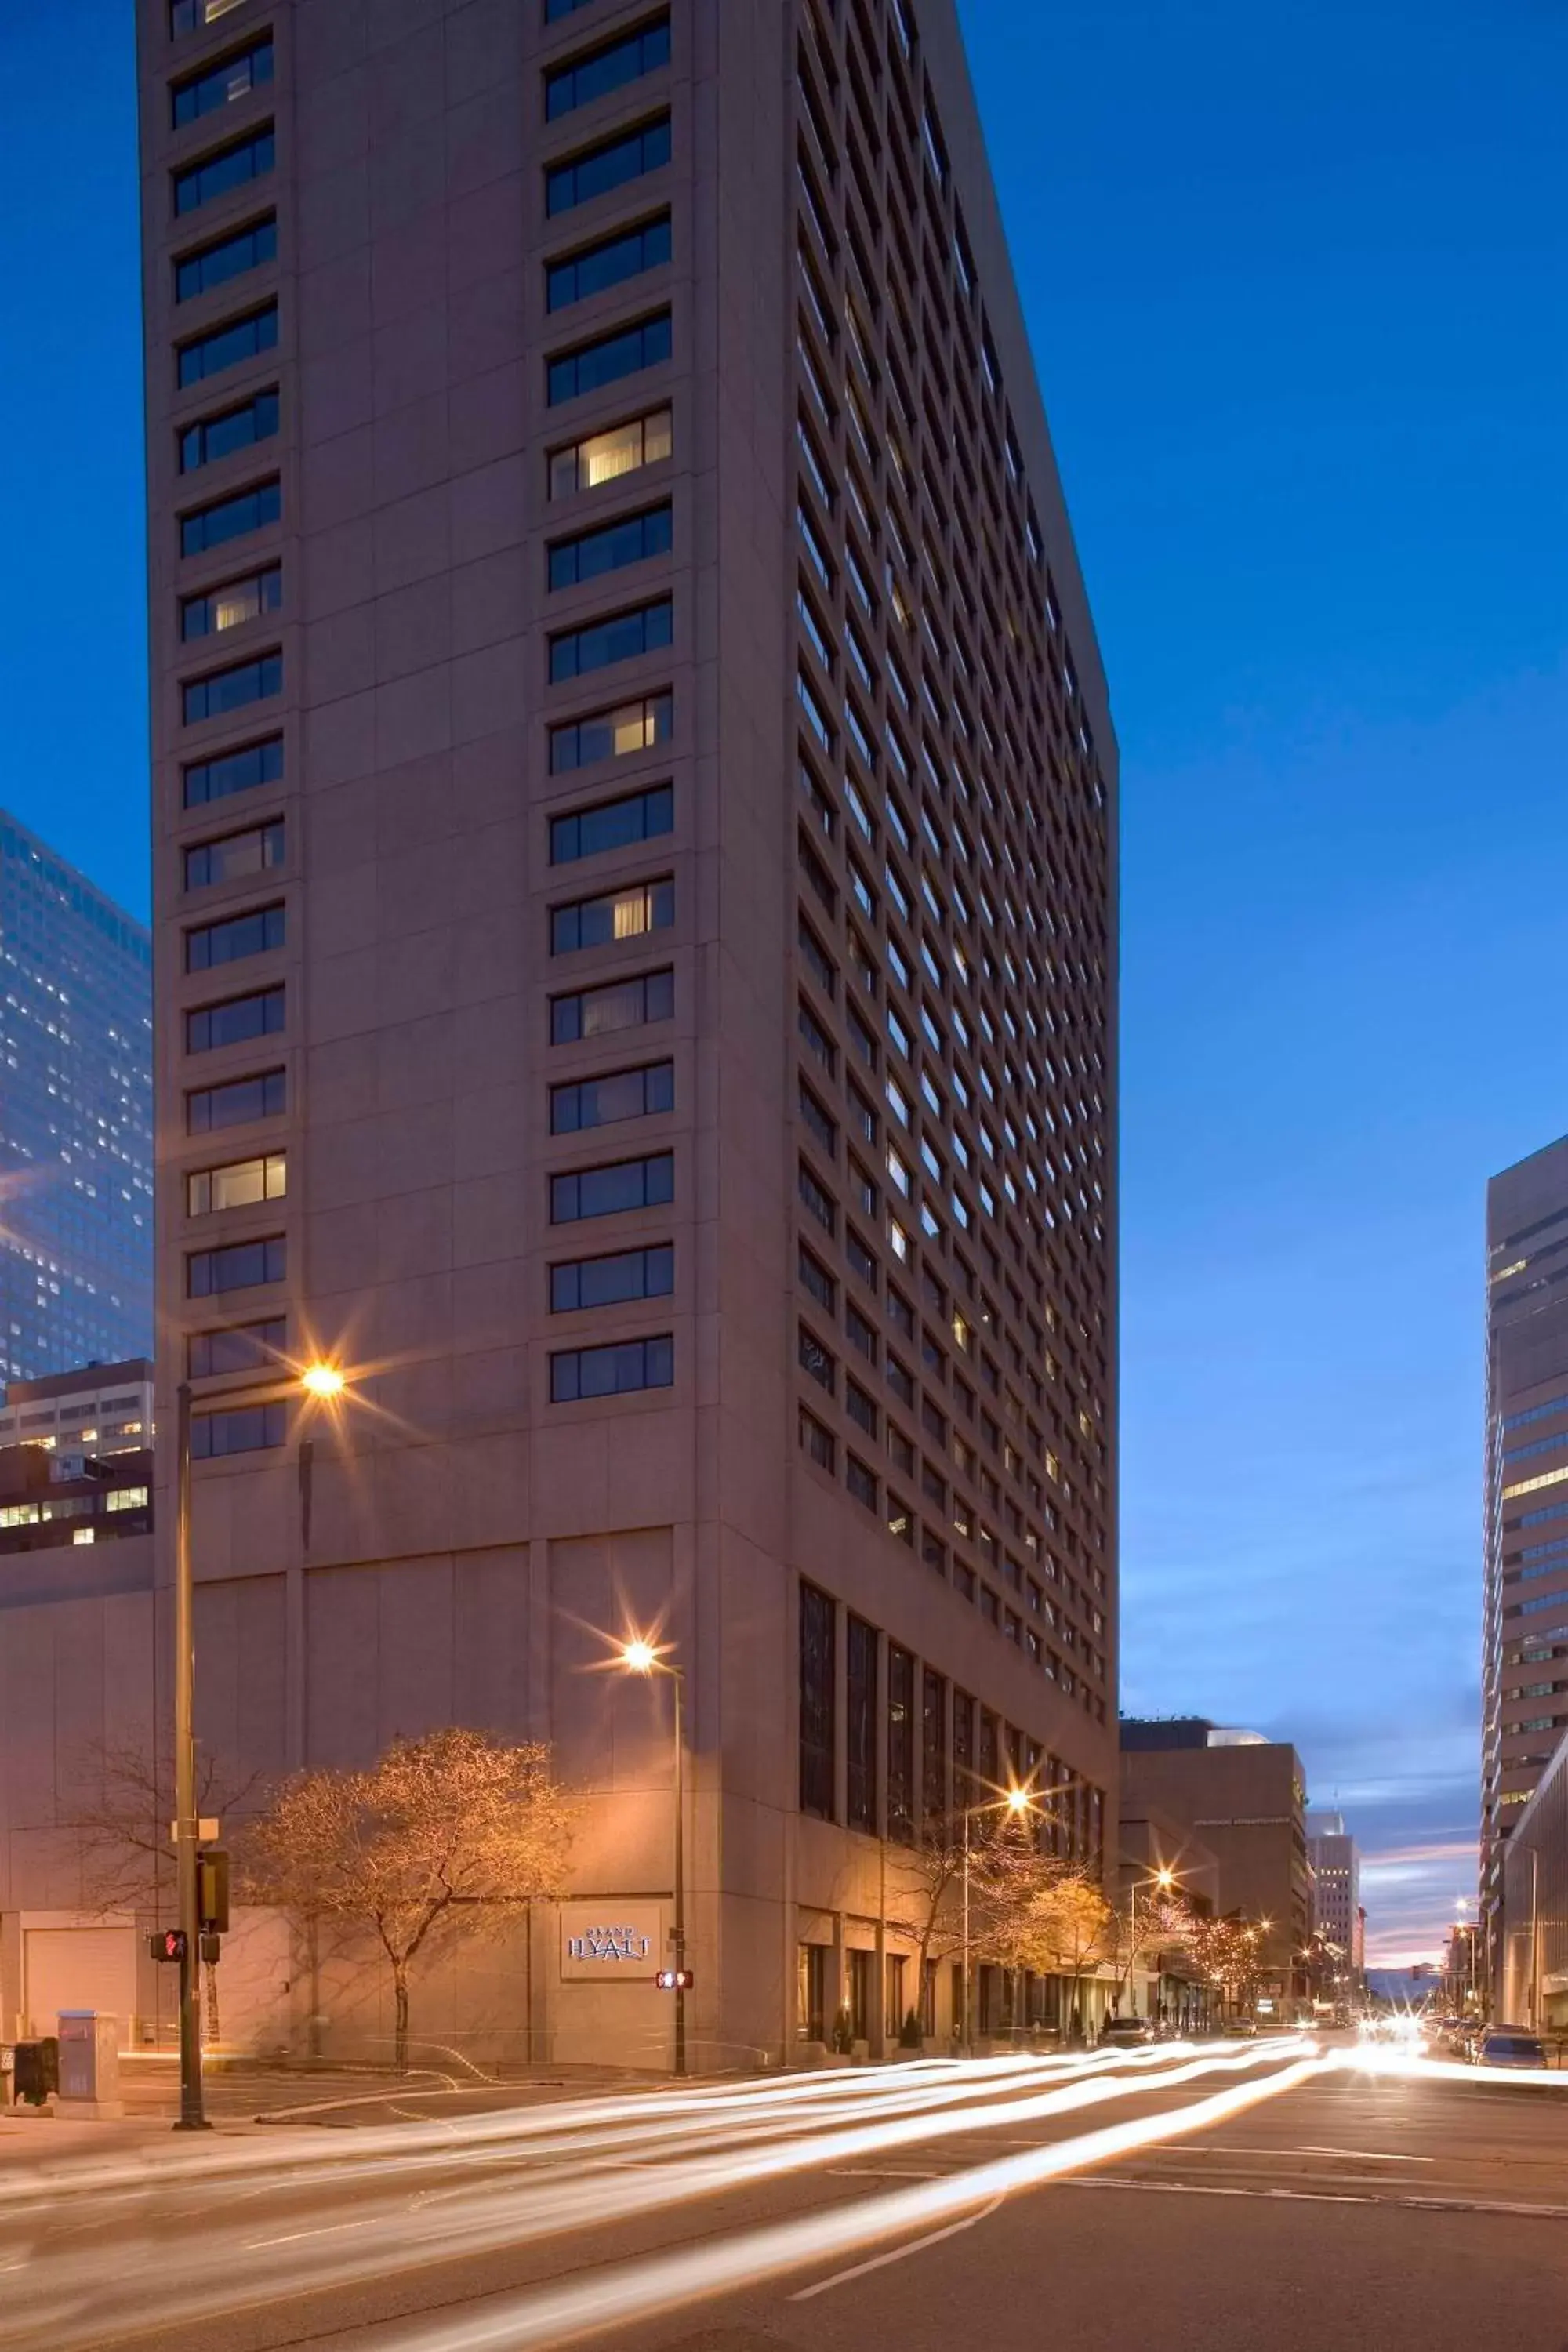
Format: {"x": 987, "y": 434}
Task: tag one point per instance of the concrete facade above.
{"x": 797, "y": 877}
{"x": 1524, "y": 1663}
{"x": 1334, "y": 1859}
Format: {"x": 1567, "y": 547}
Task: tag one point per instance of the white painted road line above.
{"x": 1316, "y": 2197}
{"x": 898, "y": 2253}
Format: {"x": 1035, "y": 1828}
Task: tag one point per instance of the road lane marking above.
{"x": 1236, "y": 2147}
{"x": 328, "y": 2230}
{"x": 1318, "y": 2197}
{"x": 898, "y": 2254}
{"x": 879, "y": 2172}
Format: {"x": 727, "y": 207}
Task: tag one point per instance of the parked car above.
{"x": 1507, "y": 2046}
{"x": 1125, "y": 2032}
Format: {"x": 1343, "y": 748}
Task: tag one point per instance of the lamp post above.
{"x": 1164, "y": 1878}
{"x": 322, "y": 1382}
{"x": 1017, "y": 1801}
{"x": 640, "y": 1657}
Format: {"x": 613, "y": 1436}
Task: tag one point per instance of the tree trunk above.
{"x": 400, "y": 1994}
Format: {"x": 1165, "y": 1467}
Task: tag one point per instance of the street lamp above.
{"x": 321, "y": 1381}
{"x": 1164, "y": 1878}
{"x": 1017, "y": 1802}
{"x": 639, "y": 1656}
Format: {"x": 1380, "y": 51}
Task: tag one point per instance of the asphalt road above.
{"x": 1240, "y": 2201}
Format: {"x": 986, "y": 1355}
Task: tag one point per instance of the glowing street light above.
{"x": 323, "y": 1381}
{"x": 638, "y": 1655}
{"x": 1015, "y": 1802}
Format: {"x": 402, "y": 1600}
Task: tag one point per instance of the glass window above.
{"x": 233, "y": 689}
{"x": 237, "y": 1104}
{"x": 212, "y": 437}
{"x": 241, "y": 1347}
{"x": 647, "y": 628}
{"x": 601, "y": 1102}
{"x": 228, "y": 346}
{"x": 214, "y": 525}
{"x": 861, "y": 1759}
{"x": 611, "y": 735}
{"x": 598, "y": 71}
{"x": 235, "y": 1022}
{"x": 240, "y": 1429}
{"x": 608, "y": 358}
{"x": 610, "y": 547}
{"x": 620, "y": 1004}
{"x": 612, "y": 825}
{"x": 818, "y": 1703}
{"x": 583, "y": 1372}
{"x": 609, "y": 263}
{"x": 607, "y": 457}
{"x": 555, "y": 9}
{"x": 222, "y": 85}
{"x": 255, "y": 933}
{"x": 255, "y": 851}
{"x": 235, "y": 772}
{"x": 232, "y": 606}
{"x": 234, "y": 166}
{"x": 607, "y": 1190}
{"x": 587, "y": 1282}
{"x": 608, "y": 166}
{"x": 615, "y": 915}
{"x": 238, "y": 1184}
{"x": 226, "y": 257}
{"x": 240, "y": 1266}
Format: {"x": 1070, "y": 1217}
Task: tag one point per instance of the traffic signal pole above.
{"x": 192, "y": 2115}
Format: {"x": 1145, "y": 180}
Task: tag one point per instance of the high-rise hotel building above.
{"x": 1524, "y": 1666}
{"x": 635, "y": 841}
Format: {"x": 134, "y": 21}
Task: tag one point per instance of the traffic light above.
{"x": 167, "y": 1944}
{"x": 211, "y": 1890}
{"x": 675, "y": 1980}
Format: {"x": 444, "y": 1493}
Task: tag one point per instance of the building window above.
{"x": 213, "y": 526}
{"x": 240, "y": 1348}
{"x": 227, "y": 256}
{"x": 861, "y": 1481}
{"x": 611, "y": 547}
{"x": 609, "y": 263}
{"x": 618, "y": 1281}
{"x": 817, "y": 1443}
{"x": 612, "y": 916}
{"x": 234, "y": 166}
{"x": 608, "y": 358}
{"x": 222, "y": 85}
{"x": 901, "y": 1743}
{"x": 612, "y": 825}
{"x": 810, "y": 1959}
{"x": 241, "y": 428}
{"x": 601, "y": 1102}
{"x": 235, "y": 1022}
{"x": 605, "y": 1191}
{"x": 242, "y": 1429}
{"x": 818, "y": 1281}
{"x": 859, "y": 1408}
{"x": 209, "y": 1109}
{"x": 241, "y": 1266}
{"x": 615, "y": 734}
{"x": 255, "y": 933}
{"x": 610, "y": 456}
{"x": 861, "y": 1641}
{"x": 235, "y": 688}
{"x": 619, "y": 1004}
{"x": 234, "y": 854}
{"x": 598, "y": 71}
{"x": 818, "y": 1710}
{"x": 610, "y": 164}
{"x": 231, "y": 606}
{"x": 555, "y": 10}
{"x": 933, "y": 1747}
{"x": 234, "y": 772}
{"x": 647, "y": 628}
{"x": 239, "y": 1184}
{"x": 228, "y": 346}
{"x": 580, "y": 1373}
{"x": 814, "y": 1200}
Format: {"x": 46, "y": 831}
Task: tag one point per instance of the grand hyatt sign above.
{"x": 612, "y": 1941}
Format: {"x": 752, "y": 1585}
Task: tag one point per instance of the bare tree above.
{"x": 442, "y": 1841}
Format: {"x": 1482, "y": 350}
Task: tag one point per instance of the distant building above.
{"x": 76, "y": 1123}
{"x": 1524, "y": 1676}
{"x": 1243, "y": 1797}
{"x": 1335, "y": 1863}
{"x": 76, "y": 1457}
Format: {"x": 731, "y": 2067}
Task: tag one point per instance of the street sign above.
{"x": 208, "y": 1828}
{"x": 211, "y": 1890}
{"x": 167, "y": 1944}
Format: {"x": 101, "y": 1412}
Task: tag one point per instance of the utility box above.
{"x": 90, "y": 2065}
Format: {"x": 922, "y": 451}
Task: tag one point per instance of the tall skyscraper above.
{"x": 76, "y": 1118}
{"x": 1335, "y": 1861}
{"x": 1525, "y": 1646}
{"x": 636, "y": 808}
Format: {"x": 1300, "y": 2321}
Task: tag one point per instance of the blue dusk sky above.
{"x": 1296, "y": 283}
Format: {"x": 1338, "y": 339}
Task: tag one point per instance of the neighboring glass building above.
{"x": 76, "y": 1128}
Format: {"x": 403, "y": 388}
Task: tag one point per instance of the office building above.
{"x": 1525, "y": 1664}
{"x": 76, "y": 1457}
{"x": 1335, "y": 1863}
{"x": 1530, "y": 1932}
{"x": 635, "y": 926}
{"x": 76, "y": 1118}
{"x": 1243, "y": 1797}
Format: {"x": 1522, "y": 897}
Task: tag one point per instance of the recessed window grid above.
{"x": 608, "y": 457}
{"x": 228, "y": 346}
{"x": 610, "y": 547}
{"x": 238, "y": 1265}
{"x": 209, "y": 1109}
{"x": 232, "y": 606}
{"x": 578, "y": 1374}
{"x": 216, "y": 87}
{"x": 212, "y": 438}
{"x": 600, "y": 644}
{"x": 612, "y": 916}
{"x": 235, "y": 1022}
{"x": 237, "y": 1184}
{"x": 238, "y": 1429}
{"x": 610, "y": 66}
{"x": 578, "y": 277}
{"x": 237, "y": 1347}
{"x": 234, "y": 857}
{"x": 612, "y": 825}
{"x": 611, "y": 163}
{"x": 231, "y": 518}
{"x": 607, "y": 359}
{"x": 583, "y": 1103}
{"x": 615, "y": 734}
{"x": 255, "y": 932}
{"x": 228, "y": 257}
{"x": 619, "y": 1280}
{"x": 617, "y": 1005}
{"x": 611, "y": 1190}
{"x": 234, "y": 166}
{"x": 234, "y": 772}
{"x": 231, "y": 690}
